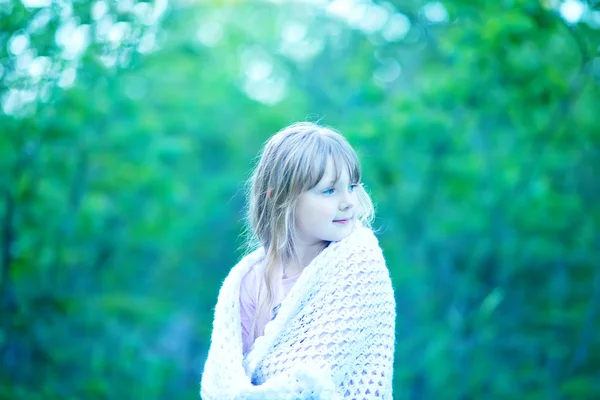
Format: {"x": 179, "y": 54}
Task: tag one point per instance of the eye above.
{"x": 328, "y": 191}
{"x": 353, "y": 186}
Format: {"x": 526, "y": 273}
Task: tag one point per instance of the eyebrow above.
{"x": 334, "y": 181}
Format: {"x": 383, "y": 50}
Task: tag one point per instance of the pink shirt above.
{"x": 251, "y": 290}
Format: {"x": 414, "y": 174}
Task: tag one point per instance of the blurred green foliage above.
{"x": 128, "y": 129}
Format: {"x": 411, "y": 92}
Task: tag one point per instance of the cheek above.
{"x": 327, "y": 210}
{"x": 307, "y": 213}
{"x": 315, "y": 211}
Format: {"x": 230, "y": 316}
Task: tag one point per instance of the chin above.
{"x": 339, "y": 236}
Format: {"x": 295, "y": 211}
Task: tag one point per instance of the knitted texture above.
{"x": 333, "y": 337}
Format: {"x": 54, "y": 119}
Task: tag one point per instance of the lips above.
{"x": 342, "y": 221}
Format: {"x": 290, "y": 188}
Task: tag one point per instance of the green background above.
{"x": 127, "y": 131}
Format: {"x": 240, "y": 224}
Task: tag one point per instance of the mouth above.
{"x": 342, "y": 221}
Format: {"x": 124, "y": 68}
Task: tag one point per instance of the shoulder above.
{"x": 232, "y": 281}
{"x": 252, "y": 278}
{"x": 361, "y": 253}
{"x": 363, "y": 240}
{"x": 246, "y": 264}
{"x": 360, "y": 267}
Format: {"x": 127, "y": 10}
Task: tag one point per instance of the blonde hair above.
{"x": 291, "y": 162}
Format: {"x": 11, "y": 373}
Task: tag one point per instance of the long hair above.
{"x": 291, "y": 162}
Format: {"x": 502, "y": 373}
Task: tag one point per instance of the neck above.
{"x": 306, "y": 253}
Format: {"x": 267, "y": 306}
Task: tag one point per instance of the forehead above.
{"x": 335, "y": 170}
{"x": 330, "y": 161}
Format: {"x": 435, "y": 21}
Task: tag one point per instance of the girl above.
{"x": 310, "y": 312}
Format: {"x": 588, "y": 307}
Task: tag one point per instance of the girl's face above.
{"x": 327, "y": 212}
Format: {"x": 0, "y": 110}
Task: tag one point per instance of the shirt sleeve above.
{"x": 248, "y": 292}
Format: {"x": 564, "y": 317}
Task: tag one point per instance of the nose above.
{"x": 347, "y": 202}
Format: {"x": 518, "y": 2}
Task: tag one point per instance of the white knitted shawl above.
{"x": 333, "y": 337}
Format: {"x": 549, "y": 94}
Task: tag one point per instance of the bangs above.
{"x": 342, "y": 157}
